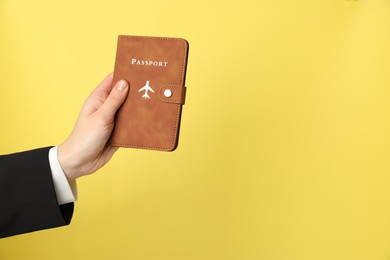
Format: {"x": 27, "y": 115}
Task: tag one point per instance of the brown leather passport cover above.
{"x": 155, "y": 68}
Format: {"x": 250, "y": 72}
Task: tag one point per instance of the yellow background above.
{"x": 285, "y": 138}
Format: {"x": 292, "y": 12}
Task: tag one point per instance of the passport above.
{"x": 155, "y": 68}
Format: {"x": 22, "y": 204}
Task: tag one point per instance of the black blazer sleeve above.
{"x": 27, "y": 197}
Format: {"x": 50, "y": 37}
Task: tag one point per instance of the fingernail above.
{"x": 121, "y": 85}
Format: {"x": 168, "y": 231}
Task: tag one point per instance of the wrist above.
{"x": 68, "y": 162}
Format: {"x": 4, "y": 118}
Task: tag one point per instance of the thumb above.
{"x": 115, "y": 99}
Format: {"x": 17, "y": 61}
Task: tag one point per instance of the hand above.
{"x": 86, "y": 149}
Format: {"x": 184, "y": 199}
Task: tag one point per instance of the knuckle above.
{"x": 101, "y": 119}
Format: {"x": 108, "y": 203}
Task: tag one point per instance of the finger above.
{"x": 106, "y": 84}
{"x": 114, "y": 100}
{"x": 98, "y": 96}
{"x": 104, "y": 158}
{"x": 111, "y": 151}
{"x": 104, "y": 88}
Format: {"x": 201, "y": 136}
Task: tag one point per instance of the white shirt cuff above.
{"x": 66, "y": 191}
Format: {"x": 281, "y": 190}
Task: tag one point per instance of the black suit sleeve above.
{"x": 27, "y": 197}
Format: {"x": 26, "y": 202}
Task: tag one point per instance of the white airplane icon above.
{"x": 146, "y": 88}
